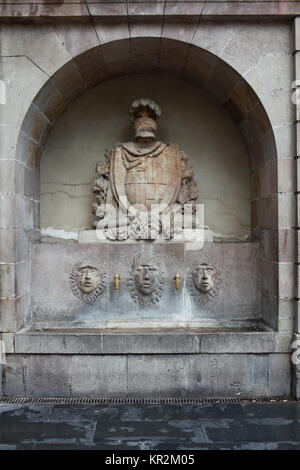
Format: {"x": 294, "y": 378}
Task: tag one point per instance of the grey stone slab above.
{"x": 214, "y": 375}
{"x": 209, "y": 375}
{"x": 163, "y": 342}
{"x": 270, "y": 309}
{"x": 53, "y": 298}
{"x": 98, "y": 375}
{"x": 7, "y": 279}
{"x": 238, "y": 268}
{"x": 50, "y": 375}
{"x": 9, "y": 342}
{"x": 7, "y": 176}
{"x": 169, "y": 309}
{"x": 13, "y": 376}
{"x": 13, "y": 313}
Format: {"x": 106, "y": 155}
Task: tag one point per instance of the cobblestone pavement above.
{"x": 143, "y": 427}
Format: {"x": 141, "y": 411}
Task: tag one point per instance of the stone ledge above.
{"x": 54, "y": 342}
{"x": 212, "y": 9}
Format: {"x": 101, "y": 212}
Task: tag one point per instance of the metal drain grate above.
{"x": 142, "y": 401}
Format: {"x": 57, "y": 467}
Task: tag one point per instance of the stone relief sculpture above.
{"x": 204, "y": 281}
{"x": 146, "y": 281}
{"x": 87, "y": 283}
{"x": 137, "y": 175}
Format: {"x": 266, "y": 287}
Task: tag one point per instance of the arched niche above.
{"x": 186, "y": 62}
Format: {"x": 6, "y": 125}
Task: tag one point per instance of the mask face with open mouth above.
{"x": 204, "y": 276}
{"x": 88, "y": 279}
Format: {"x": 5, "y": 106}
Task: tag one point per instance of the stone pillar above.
{"x": 18, "y": 191}
{"x": 296, "y": 100}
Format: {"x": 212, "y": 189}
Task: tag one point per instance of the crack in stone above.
{"x": 28, "y": 58}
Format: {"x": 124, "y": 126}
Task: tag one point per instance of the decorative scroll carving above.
{"x": 146, "y": 281}
{"x": 87, "y": 283}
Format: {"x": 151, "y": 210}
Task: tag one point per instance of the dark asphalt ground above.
{"x": 266, "y": 426}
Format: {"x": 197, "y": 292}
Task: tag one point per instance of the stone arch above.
{"x": 188, "y": 62}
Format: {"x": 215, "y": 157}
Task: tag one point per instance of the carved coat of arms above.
{"x": 141, "y": 180}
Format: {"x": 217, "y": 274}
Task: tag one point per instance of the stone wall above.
{"x": 54, "y": 304}
{"x": 206, "y": 375}
{"x": 247, "y": 65}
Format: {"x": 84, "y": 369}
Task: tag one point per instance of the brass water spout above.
{"x": 177, "y": 281}
{"x": 117, "y": 282}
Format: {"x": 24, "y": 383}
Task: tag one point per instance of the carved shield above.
{"x": 147, "y": 179}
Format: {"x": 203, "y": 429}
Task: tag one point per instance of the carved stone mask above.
{"x": 146, "y": 277}
{"x": 204, "y": 281}
{"x": 147, "y": 280}
{"x": 88, "y": 279}
{"x": 204, "y": 276}
{"x": 87, "y": 283}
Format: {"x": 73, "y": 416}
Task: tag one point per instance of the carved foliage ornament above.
{"x": 87, "y": 283}
{"x": 204, "y": 281}
{"x": 146, "y": 281}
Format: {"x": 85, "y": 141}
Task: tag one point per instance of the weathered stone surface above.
{"x": 279, "y": 244}
{"x": 270, "y": 309}
{"x": 99, "y": 376}
{"x": 77, "y": 37}
{"x": 14, "y": 245}
{"x": 269, "y": 72}
{"x": 9, "y": 342}
{"x": 35, "y": 124}
{"x": 270, "y": 276}
{"x": 238, "y": 296}
{"x": 111, "y": 29}
{"x": 50, "y": 102}
{"x": 296, "y": 34}
{"x": 53, "y": 284}
{"x": 221, "y": 81}
{"x": 264, "y": 212}
{"x": 179, "y": 30}
{"x": 171, "y": 341}
{"x": 28, "y": 11}
{"x": 68, "y": 81}
{"x": 29, "y": 152}
{"x": 13, "y": 313}
{"x": 286, "y": 280}
{"x": 141, "y": 62}
{"x": 19, "y": 90}
{"x": 92, "y": 67}
{"x": 147, "y": 375}
{"x": 145, "y": 9}
{"x": 19, "y": 40}
{"x": 140, "y": 27}
{"x": 209, "y": 376}
{"x": 58, "y": 261}
{"x": 212, "y": 37}
{"x": 13, "y": 376}
{"x": 240, "y": 8}
{"x": 286, "y": 175}
{"x": 51, "y": 375}
{"x": 7, "y": 176}
{"x": 108, "y": 9}
{"x": 199, "y": 65}
{"x": 8, "y": 141}
{"x": 244, "y": 97}
{"x": 284, "y": 142}
{"x": 286, "y": 210}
